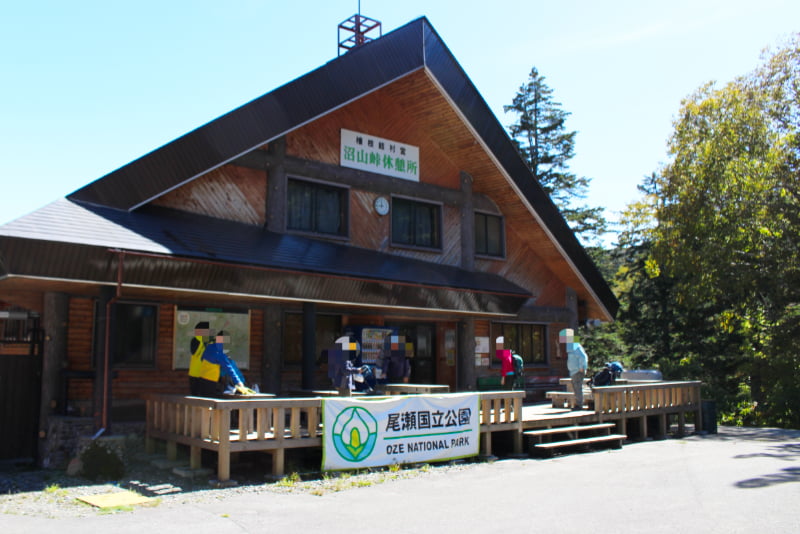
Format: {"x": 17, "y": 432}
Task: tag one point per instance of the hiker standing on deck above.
{"x": 506, "y": 364}
{"x": 577, "y": 362}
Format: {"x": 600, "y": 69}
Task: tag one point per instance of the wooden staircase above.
{"x": 548, "y": 441}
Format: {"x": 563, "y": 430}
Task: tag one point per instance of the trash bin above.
{"x": 708, "y": 410}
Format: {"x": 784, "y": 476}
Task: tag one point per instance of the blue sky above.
{"x": 88, "y": 86}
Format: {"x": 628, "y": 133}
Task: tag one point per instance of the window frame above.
{"x": 115, "y": 362}
{"x": 438, "y": 221}
{"x": 316, "y": 187}
{"x": 498, "y": 329}
{"x": 501, "y": 238}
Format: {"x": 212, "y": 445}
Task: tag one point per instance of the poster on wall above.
{"x": 236, "y": 323}
{"x": 361, "y": 433}
{"x": 450, "y": 347}
{"x": 482, "y": 351}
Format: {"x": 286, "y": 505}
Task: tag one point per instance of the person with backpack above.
{"x": 577, "y": 362}
{"x": 519, "y": 371}
{"x": 506, "y": 364}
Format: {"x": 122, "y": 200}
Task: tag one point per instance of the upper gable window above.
{"x": 316, "y": 208}
{"x": 489, "y": 235}
{"x": 416, "y": 224}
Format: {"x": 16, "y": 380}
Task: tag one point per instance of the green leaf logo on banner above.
{"x": 355, "y": 433}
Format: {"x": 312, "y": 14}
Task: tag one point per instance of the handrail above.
{"x": 501, "y": 407}
{"x": 643, "y": 398}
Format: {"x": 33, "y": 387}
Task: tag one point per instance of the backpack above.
{"x": 605, "y": 377}
{"x": 519, "y": 365}
{"x": 519, "y": 371}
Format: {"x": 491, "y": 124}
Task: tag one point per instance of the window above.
{"x": 416, "y": 224}
{"x": 329, "y": 329}
{"x": 18, "y": 325}
{"x": 527, "y": 340}
{"x": 315, "y": 207}
{"x": 135, "y": 334}
{"x": 489, "y": 236}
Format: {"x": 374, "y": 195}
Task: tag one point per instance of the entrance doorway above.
{"x": 423, "y": 362}
{"x": 21, "y": 386}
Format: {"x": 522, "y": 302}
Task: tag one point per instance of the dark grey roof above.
{"x": 153, "y": 235}
{"x": 365, "y": 69}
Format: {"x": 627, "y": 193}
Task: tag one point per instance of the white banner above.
{"x": 375, "y": 154}
{"x": 364, "y": 432}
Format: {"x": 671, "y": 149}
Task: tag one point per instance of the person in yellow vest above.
{"x": 210, "y": 363}
{"x": 223, "y": 366}
{"x": 197, "y": 366}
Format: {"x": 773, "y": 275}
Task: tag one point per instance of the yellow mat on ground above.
{"x": 118, "y": 498}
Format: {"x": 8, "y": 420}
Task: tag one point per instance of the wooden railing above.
{"x": 501, "y": 411}
{"x": 649, "y": 398}
{"x": 228, "y": 426}
{"x": 277, "y": 424}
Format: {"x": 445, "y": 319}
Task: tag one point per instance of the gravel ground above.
{"x": 53, "y": 493}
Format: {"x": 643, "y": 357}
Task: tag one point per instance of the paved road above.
{"x": 737, "y": 481}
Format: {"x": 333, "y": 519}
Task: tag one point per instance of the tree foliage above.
{"x": 542, "y": 139}
{"x": 724, "y": 249}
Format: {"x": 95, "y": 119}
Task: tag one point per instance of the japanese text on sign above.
{"x": 382, "y": 156}
{"x": 425, "y": 419}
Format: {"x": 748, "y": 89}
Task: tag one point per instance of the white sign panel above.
{"x": 398, "y": 430}
{"x": 375, "y": 154}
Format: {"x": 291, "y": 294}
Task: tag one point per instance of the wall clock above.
{"x": 381, "y": 206}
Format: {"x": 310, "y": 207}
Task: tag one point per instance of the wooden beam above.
{"x": 368, "y": 181}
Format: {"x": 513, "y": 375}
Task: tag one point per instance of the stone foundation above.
{"x": 68, "y": 436}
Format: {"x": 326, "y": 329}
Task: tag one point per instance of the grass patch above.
{"x": 289, "y": 481}
{"x": 55, "y": 490}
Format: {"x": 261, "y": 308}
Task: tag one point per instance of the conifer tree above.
{"x": 546, "y": 145}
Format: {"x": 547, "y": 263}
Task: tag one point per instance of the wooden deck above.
{"x": 274, "y": 425}
{"x": 640, "y": 403}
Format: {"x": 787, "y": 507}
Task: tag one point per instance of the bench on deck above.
{"x": 536, "y": 387}
{"x": 566, "y": 397}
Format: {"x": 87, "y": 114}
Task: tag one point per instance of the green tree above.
{"x": 726, "y": 242}
{"x": 542, "y": 138}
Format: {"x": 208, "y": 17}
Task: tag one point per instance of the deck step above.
{"x": 618, "y": 438}
{"x": 562, "y": 429}
{"x": 615, "y": 440}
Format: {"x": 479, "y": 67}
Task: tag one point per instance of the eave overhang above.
{"x": 161, "y": 250}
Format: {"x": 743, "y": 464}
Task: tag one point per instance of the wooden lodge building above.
{"x": 377, "y": 191}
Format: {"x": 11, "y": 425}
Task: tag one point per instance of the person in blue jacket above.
{"x": 577, "y": 362}
{"x": 226, "y": 368}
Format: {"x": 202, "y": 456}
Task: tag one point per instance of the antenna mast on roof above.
{"x": 355, "y": 30}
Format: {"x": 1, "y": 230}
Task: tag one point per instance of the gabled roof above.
{"x": 366, "y": 69}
